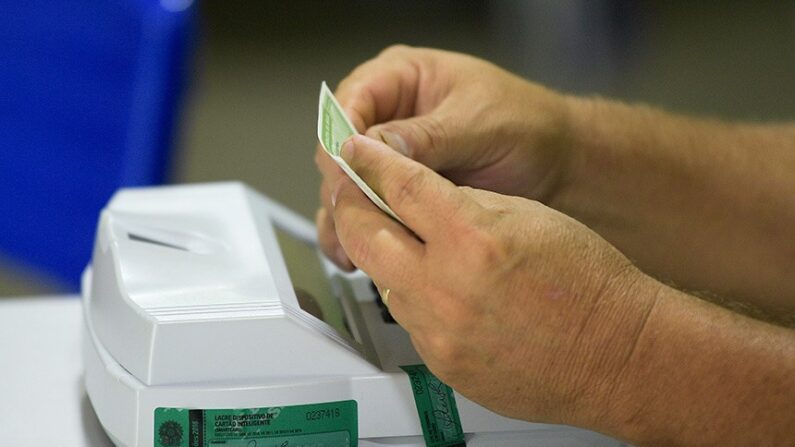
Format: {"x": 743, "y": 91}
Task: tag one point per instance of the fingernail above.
{"x": 395, "y": 141}
{"x": 346, "y": 152}
{"x": 341, "y": 256}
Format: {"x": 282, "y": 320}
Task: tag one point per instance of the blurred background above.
{"x": 112, "y": 93}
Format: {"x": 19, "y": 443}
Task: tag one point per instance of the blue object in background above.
{"x": 89, "y": 93}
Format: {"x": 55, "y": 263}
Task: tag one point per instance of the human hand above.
{"x": 515, "y": 305}
{"x": 465, "y": 118}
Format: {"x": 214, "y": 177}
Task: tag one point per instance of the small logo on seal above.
{"x": 170, "y": 433}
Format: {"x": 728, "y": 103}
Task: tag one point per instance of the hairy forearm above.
{"x": 707, "y": 205}
{"x": 701, "y": 375}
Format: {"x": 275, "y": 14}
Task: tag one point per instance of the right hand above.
{"x": 465, "y": 118}
{"x": 515, "y": 305}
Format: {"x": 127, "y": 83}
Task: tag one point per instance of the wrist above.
{"x": 698, "y": 374}
{"x": 617, "y": 403}
{"x": 623, "y": 314}
{"x": 573, "y": 144}
{"x": 617, "y": 163}
{"x": 544, "y": 130}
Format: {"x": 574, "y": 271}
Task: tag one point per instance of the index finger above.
{"x": 428, "y": 203}
{"x": 380, "y": 90}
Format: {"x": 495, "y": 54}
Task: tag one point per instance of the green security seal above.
{"x": 441, "y": 425}
{"x": 324, "y": 424}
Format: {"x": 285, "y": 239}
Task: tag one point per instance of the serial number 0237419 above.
{"x": 322, "y": 424}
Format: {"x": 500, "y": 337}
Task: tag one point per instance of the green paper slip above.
{"x": 333, "y": 128}
{"x": 436, "y": 408}
{"x": 327, "y": 424}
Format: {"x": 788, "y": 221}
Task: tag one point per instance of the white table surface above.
{"x": 42, "y": 399}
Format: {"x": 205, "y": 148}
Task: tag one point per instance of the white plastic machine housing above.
{"x": 188, "y": 304}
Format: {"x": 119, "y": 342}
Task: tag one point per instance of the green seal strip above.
{"x": 324, "y": 424}
{"x": 441, "y": 425}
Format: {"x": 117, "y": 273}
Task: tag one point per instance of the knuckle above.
{"x": 446, "y": 352}
{"x": 327, "y": 240}
{"x": 434, "y": 132}
{"x": 394, "y": 49}
{"x": 345, "y": 84}
{"x": 326, "y": 232}
{"x": 405, "y": 188}
{"x": 448, "y": 371}
{"x": 357, "y": 248}
{"x": 486, "y": 248}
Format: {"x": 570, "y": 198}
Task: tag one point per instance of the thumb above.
{"x": 425, "y": 139}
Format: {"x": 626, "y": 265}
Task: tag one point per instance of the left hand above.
{"x": 467, "y": 119}
{"x": 517, "y": 306}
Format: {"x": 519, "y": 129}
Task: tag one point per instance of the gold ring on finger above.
{"x": 385, "y": 296}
